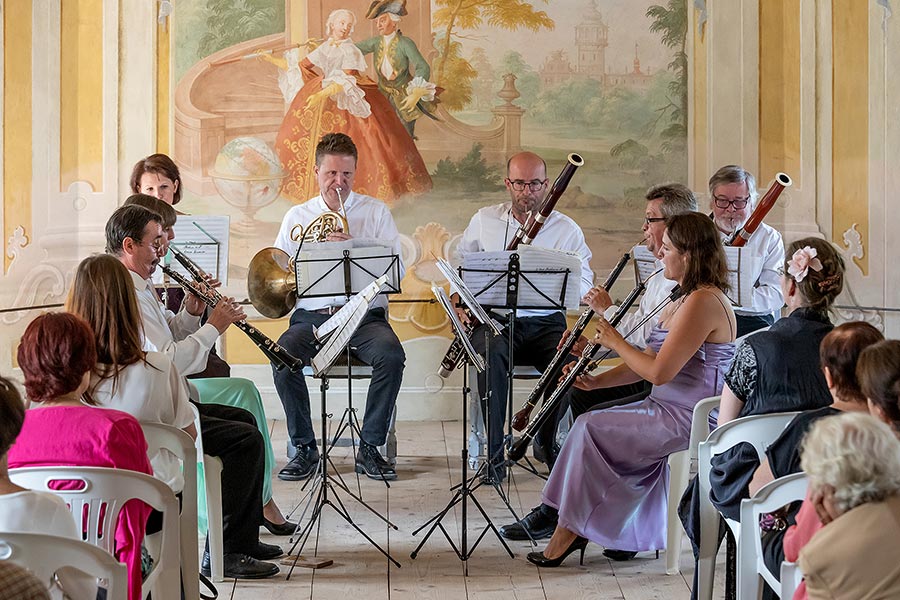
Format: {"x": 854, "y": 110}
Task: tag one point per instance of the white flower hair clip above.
{"x": 802, "y": 261}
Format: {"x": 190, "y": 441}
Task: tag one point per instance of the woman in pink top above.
{"x": 57, "y": 354}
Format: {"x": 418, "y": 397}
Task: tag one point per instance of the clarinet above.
{"x": 518, "y": 448}
{"x": 277, "y": 355}
{"x": 525, "y": 234}
{"x": 551, "y": 373}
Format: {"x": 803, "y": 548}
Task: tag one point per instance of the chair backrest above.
{"x": 165, "y": 437}
{"x": 769, "y": 498}
{"x": 100, "y": 497}
{"x": 700, "y": 426}
{"x": 44, "y": 555}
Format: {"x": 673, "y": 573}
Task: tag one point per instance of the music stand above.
{"x": 464, "y": 492}
{"x": 336, "y": 333}
{"x": 511, "y": 287}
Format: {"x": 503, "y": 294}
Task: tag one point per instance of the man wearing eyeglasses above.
{"x": 732, "y": 197}
{"x": 536, "y": 331}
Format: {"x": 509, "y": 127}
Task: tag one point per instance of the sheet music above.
{"x": 545, "y": 269}
{"x": 317, "y": 274}
{"x": 204, "y": 239}
{"x": 645, "y": 263}
{"x": 343, "y": 324}
{"x": 457, "y": 285}
{"x": 476, "y": 359}
{"x": 743, "y": 271}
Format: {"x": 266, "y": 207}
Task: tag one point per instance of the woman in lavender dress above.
{"x": 610, "y": 481}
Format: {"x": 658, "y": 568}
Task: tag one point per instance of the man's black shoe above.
{"x": 266, "y": 551}
{"x": 302, "y": 465}
{"x": 620, "y": 555}
{"x": 540, "y": 523}
{"x": 241, "y": 566}
{"x": 370, "y": 462}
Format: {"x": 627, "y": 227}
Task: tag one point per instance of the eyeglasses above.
{"x": 535, "y": 185}
{"x": 156, "y": 244}
{"x": 737, "y": 203}
{"x": 650, "y": 220}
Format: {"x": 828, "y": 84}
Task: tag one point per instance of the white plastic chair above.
{"x": 751, "y": 566}
{"x": 212, "y": 485}
{"x": 682, "y": 465}
{"x": 112, "y": 488}
{"x": 791, "y": 576}
{"x": 44, "y": 555}
{"x": 165, "y": 437}
{"x": 757, "y": 430}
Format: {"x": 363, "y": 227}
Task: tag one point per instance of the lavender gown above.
{"x": 611, "y": 479}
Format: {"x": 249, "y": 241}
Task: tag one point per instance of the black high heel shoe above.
{"x": 286, "y": 528}
{"x": 538, "y": 558}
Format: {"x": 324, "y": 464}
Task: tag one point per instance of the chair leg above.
{"x": 679, "y": 463}
{"x": 212, "y": 468}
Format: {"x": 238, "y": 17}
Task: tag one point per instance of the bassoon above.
{"x": 525, "y": 234}
{"x": 551, "y": 373}
{"x": 742, "y": 235}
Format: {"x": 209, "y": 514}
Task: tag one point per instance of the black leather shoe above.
{"x": 620, "y": 555}
{"x": 241, "y": 566}
{"x": 302, "y": 465}
{"x": 370, "y": 462}
{"x": 286, "y": 528}
{"x": 266, "y": 551}
{"x": 540, "y": 523}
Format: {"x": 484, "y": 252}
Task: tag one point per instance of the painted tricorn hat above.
{"x": 379, "y": 7}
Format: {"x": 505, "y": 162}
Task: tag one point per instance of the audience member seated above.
{"x": 27, "y": 511}
{"x": 57, "y": 354}
{"x": 853, "y": 465}
{"x": 610, "y": 480}
{"x": 839, "y": 353}
{"x": 774, "y": 371}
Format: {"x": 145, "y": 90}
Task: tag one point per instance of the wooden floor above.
{"x": 428, "y": 464}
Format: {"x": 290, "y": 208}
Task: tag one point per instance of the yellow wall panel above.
{"x": 16, "y": 119}
{"x": 699, "y": 126}
{"x": 162, "y": 88}
{"x": 779, "y": 89}
{"x": 81, "y": 93}
{"x": 850, "y": 122}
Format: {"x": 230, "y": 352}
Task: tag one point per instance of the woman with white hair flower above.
{"x": 855, "y": 554}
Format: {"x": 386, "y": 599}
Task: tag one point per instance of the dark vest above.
{"x": 789, "y": 373}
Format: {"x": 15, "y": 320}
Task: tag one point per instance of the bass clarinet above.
{"x": 518, "y": 448}
{"x": 525, "y": 234}
{"x": 551, "y": 373}
{"x": 280, "y": 357}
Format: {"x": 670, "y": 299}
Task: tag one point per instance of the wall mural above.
{"x": 435, "y": 112}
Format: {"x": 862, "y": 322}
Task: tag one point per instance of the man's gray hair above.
{"x": 733, "y": 174}
{"x": 677, "y": 199}
{"x": 856, "y": 454}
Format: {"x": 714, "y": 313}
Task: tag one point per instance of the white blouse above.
{"x": 335, "y": 58}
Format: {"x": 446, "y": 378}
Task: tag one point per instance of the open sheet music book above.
{"x": 457, "y": 286}
{"x": 543, "y": 273}
{"x": 645, "y": 263}
{"x": 337, "y": 331}
{"x": 476, "y": 359}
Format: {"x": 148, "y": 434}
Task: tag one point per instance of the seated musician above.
{"x": 536, "y": 331}
{"x": 374, "y": 342}
{"x": 611, "y": 478}
{"x": 663, "y": 201}
{"x": 136, "y": 237}
{"x": 733, "y": 194}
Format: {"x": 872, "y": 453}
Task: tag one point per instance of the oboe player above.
{"x": 732, "y": 192}
{"x": 536, "y": 331}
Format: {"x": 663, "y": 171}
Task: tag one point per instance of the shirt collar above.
{"x": 388, "y": 38}
{"x": 140, "y": 284}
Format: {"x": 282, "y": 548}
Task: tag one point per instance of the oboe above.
{"x": 551, "y": 373}
{"x": 273, "y": 351}
{"x": 517, "y": 450}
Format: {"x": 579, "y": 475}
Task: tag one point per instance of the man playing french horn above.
{"x": 374, "y": 342}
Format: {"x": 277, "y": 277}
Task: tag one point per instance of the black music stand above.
{"x": 324, "y": 486}
{"x": 464, "y": 491}
{"x": 513, "y": 281}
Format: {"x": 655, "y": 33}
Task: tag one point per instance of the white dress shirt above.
{"x": 180, "y": 336}
{"x": 151, "y": 392}
{"x": 37, "y": 512}
{"x": 367, "y": 218}
{"x": 766, "y": 242}
{"x": 657, "y": 289}
{"x": 493, "y": 227}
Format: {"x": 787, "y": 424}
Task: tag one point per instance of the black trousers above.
{"x": 230, "y": 434}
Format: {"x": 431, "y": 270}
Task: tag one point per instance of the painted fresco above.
{"x": 604, "y": 79}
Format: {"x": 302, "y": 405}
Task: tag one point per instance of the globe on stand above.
{"x": 248, "y": 175}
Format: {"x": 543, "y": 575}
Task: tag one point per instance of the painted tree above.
{"x": 670, "y": 22}
{"x": 454, "y": 16}
{"x": 232, "y": 21}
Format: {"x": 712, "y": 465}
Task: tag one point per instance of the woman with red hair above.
{"x": 57, "y": 354}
